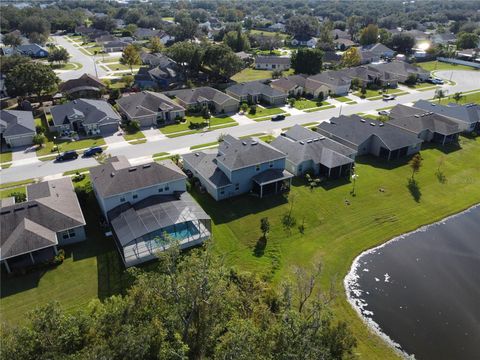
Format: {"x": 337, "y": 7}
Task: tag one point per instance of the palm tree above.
{"x": 457, "y": 97}
{"x": 440, "y": 94}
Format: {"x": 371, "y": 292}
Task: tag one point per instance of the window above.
{"x": 257, "y": 168}
{"x": 237, "y": 187}
{"x": 122, "y": 199}
{"x": 135, "y": 196}
{"x": 300, "y": 168}
{"x": 167, "y": 188}
{"x": 222, "y": 192}
{"x": 71, "y": 233}
{"x": 270, "y": 164}
{"x": 160, "y": 190}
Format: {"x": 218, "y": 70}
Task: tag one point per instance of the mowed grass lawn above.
{"x": 65, "y": 145}
{"x": 303, "y": 104}
{"x": 335, "y": 233}
{"x": 5, "y": 156}
{"x": 190, "y": 119}
{"x": 250, "y": 74}
{"x": 262, "y": 112}
{"x": 466, "y": 99}
{"x": 438, "y": 65}
{"x": 377, "y": 93}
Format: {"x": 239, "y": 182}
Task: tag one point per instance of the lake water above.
{"x": 421, "y": 291}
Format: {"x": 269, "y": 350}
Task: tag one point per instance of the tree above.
{"x": 186, "y": 28}
{"x": 369, "y": 35}
{"x": 7, "y": 63}
{"x": 222, "y": 61}
{"x": 156, "y": 45}
{"x": 237, "y": 40}
{"x": 12, "y": 39}
{"x": 302, "y": 25}
{"x": 351, "y": 57}
{"x": 128, "y": 80}
{"x": 104, "y": 23}
{"x": 457, "y": 97}
{"x": 187, "y": 54}
{"x": 411, "y": 79}
{"x": 415, "y": 164}
{"x": 58, "y": 55}
{"x": 307, "y": 61}
{"x": 243, "y": 107}
{"x": 264, "y": 226}
{"x": 403, "y": 42}
{"x": 39, "y": 139}
{"x": 291, "y": 102}
{"x": 130, "y": 56}
{"x": 325, "y": 40}
{"x": 31, "y": 78}
{"x": 440, "y": 94}
{"x": 467, "y": 41}
{"x": 19, "y": 196}
{"x": 35, "y": 24}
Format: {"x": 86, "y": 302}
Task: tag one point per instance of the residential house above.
{"x": 401, "y": 71}
{"x": 293, "y": 85}
{"x": 272, "y": 62}
{"x": 330, "y": 59}
{"x": 307, "y": 41}
{"x": 148, "y": 208}
{"x": 17, "y": 128}
{"x": 147, "y": 34}
{"x": 150, "y": 108}
{"x": 32, "y": 230}
{"x": 32, "y": 50}
{"x": 466, "y": 116}
{"x": 162, "y": 72}
{"x": 328, "y": 83}
{"x": 469, "y": 54}
{"x": 255, "y": 91}
{"x": 101, "y": 40}
{"x": 196, "y": 99}
{"x": 375, "y": 52}
{"x": 277, "y": 27}
{"x": 84, "y": 116}
{"x": 114, "y": 46}
{"x": 343, "y": 44}
{"x": 373, "y": 137}
{"x": 340, "y": 34}
{"x": 443, "y": 38}
{"x": 86, "y": 86}
{"x": 239, "y": 166}
{"x": 90, "y": 32}
{"x": 307, "y": 151}
{"x": 426, "y": 125}
{"x": 247, "y": 58}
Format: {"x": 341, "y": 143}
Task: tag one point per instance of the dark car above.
{"x": 67, "y": 155}
{"x": 92, "y": 151}
{"x": 278, "y": 118}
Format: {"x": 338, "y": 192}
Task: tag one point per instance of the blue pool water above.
{"x": 178, "y": 232}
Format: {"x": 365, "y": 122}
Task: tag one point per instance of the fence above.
{"x": 459, "y": 62}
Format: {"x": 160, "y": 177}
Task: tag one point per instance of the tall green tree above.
{"x": 467, "y": 41}
{"x": 237, "y": 40}
{"x": 302, "y": 25}
{"x": 31, "y": 78}
{"x": 415, "y": 164}
{"x": 369, "y": 35}
{"x": 12, "y": 39}
{"x": 307, "y": 61}
{"x": 58, "y": 55}
{"x": 351, "y": 57}
{"x": 187, "y": 54}
{"x": 403, "y": 42}
{"x": 130, "y": 56}
{"x": 156, "y": 46}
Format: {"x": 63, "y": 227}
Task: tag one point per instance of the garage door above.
{"x": 108, "y": 129}
{"x": 20, "y": 141}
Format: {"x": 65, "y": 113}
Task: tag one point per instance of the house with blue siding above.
{"x": 239, "y": 166}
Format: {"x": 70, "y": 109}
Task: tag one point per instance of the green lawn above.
{"x": 269, "y": 33}
{"x": 65, "y": 145}
{"x": 466, "y": 99}
{"x": 84, "y": 51}
{"x": 68, "y": 66}
{"x": 320, "y": 108}
{"x": 438, "y": 65}
{"x": 423, "y": 85}
{"x": 250, "y": 74}
{"x": 194, "y": 119}
{"x": 200, "y": 146}
{"x": 5, "y": 156}
{"x": 377, "y": 93}
{"x": 6, "y": 193}
{"x": 120, "y": 67}
{"x": 335, "y": 233}
{"x": 303, "y": 104}
{"x": 342, "y": 98}
{"x": 16, "y": 183}
{"x": 133, "y": 136}
{"x": 261, "y": 112}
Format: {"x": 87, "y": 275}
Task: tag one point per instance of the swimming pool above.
{"x": 177, "y": 232}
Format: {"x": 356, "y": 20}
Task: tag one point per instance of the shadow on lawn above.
{"x": 414, "y": 189}
{"x": 382, "y": 163}
{"x": 446, "y": 149}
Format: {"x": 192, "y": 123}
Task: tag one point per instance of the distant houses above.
{"x": 17, "y": 128}
{"x": 150, "y": 109}
{"x": 272, "y": 62}
{"x": 307, "y": 41}
{"x": 466, "y": 116}
{"x": 375, "y": 52}
{"x": 161, "y": 72}
{"x": 148, "y": 208}
{"x": 32, "y": 230}
{"x": 239, "y": 166}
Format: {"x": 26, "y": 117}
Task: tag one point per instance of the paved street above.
{"x": 465, "y": 81}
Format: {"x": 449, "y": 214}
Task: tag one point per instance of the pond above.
{"x": 421, "y": 291}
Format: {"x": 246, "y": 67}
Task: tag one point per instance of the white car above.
{"x": 387, "y": 97}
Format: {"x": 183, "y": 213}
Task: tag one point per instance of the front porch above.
{"x": 271, "y": 182}
{"x": 445, "y": 139}
{"x": 335, "y": 172}
{"x": 24, "y": 261}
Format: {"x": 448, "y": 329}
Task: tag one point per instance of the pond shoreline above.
{"x": 353, "y": 291}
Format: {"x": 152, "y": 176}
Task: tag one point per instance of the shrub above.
{"x": 253, "y": 109}
{"x": 133, "y": 126}
{"x": 40, "y": 129}
{"x": 78, "y": 177}
{"x": 39, "y": 139}
{"x": 19, "y": 196}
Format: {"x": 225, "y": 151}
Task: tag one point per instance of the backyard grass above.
{"x": 262, "y": 112}
{"x": 250, "y": 74}
{"x": 65, "y": 145}
{"x": 269, "y": 33}
{"x": 303, "y": 104}
{"x": 191, "y": 119}
{"x": 133, "y": 136}
{"x": 335, "y": 233}
{"x": 267, "y": 138}
{"x": 437, "y": 65}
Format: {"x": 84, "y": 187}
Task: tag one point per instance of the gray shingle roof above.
{"x": 32, "y": 225}
{"x": 86, "y": 81}
{"x": 280, "y": 60}
{"x": 157, "y": 212}
{"x": 205, "y": 163}
{"x": 14, "y": 122}
{"x": 239, "y": 153}
{"x": 254, "y": 88}
{"x": 290, "y": 82}
{"x": 466, "y": 113}
{"x": 354, "y": 130}
{"x": 301, "y": 145}
{"x": 193, "y": 96}
{"x": 117, "y": 176}
{"x": 93, "y": 111}
{"x": 147, "y": 102}
{"x": 418, "y": 120}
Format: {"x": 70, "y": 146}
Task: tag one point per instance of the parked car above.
{"x": 278, "y": 117}
{"x": 384, "y": 112}
{"x": 435, "y": 81}
{"x": 67, "y": 155}
{"x": 92, "y": 151}
{"x": 387, "y": 97}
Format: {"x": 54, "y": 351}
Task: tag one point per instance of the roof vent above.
{"x": 417, "y": 116}
{"x": 381, "y": 124}
{"x": 74, "y": 101}
{"x": 32, "y": 206}
{"x": 322, "y": 137}
{"x": 362, "y": 120}
{"x": 316, "y": 139}
{"x": 197, "y": 154}
{"x": 146, "y": 166}
{"x": 373, "y": 124}
{"x": 112, "y": 174}
{"x": 5, "y": 212}
{"x": 18, "y": 209}
{"x": 244, "y": 143}
{"x": 301, "y": 142}
{"x": 434, "y": 104}
{"x": 132, "y": 169}
{"x": 309, "y": 141}
{"x": 254, "y": 143}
